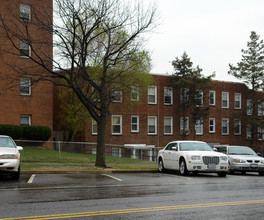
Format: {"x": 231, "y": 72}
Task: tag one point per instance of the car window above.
{"x": 222, "y": 150}
{"x": 193, "y": 146}
{"x": 169, "y": 147}
{"x": 241, "y": 151}
{"x": 6, "y": 142}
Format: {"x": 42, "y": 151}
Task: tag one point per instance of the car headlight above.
{"x": 9, "y": 156}
{"x": 262, "y": 161}
{"x": 239, "y": 161}
{"x": 224, "y": 158}
{"x": 196, "y": 157}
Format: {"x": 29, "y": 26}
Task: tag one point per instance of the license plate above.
{"x": 254, "y": 165}
{"x": 211, "y": 166}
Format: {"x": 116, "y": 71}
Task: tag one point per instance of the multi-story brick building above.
{"x": 156, "y": 119}
{"x": 21, "y": 101}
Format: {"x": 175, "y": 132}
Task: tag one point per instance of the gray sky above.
{"x": 212, "y": 32}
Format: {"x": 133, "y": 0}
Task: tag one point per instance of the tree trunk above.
{"x": 100, "y": 149}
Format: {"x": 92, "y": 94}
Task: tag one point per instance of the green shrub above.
{"x": 39, "y": 133}
{"x": 13, "y": 131}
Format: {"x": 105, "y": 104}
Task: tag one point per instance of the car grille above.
{"x": 210, "y": 160}
{"x": 252, "y": 161}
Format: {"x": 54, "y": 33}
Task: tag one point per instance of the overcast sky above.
{"x": 212, "y": 32}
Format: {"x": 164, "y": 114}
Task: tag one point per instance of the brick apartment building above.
{"x": 21, "y": 102}
{"x": 155, "y": 120}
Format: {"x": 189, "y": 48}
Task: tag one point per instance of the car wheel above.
{"x": 261, "y": 173}
{"x": 16, "y": 175}
{"x": 161, "y": 166}
{"x": 183, "y": 168}
{"x": 222, "y": 174}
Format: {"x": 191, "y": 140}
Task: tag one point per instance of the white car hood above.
{"x": 204, "y": 153}
{"x": 246, "y": 157}
{"x": 8, "y": 150}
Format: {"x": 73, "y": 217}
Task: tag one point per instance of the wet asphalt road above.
{"x": 132, "y": 196}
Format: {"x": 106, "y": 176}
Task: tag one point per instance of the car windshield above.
{"x": 6, "y": 142}
{"x": 241, "y": 151}
{"x": 193, "y": 146}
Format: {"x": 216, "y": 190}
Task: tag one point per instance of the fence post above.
{"x": 59, "y": 152}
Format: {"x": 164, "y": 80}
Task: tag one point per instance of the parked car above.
{"x": 9, "y": 157}
{"x": 242, "y": 159}
{"x": 192, "y": 156}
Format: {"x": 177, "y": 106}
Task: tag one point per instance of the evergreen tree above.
{"x": 251, "y": 71}
{"x": 193, "y": 88}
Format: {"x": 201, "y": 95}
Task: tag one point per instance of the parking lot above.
{"x": 134, "y": 195}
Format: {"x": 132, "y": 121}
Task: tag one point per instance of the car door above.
{"x": 169, "y": 156}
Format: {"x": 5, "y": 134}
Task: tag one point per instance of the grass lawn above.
{"x": 40, "y": 159}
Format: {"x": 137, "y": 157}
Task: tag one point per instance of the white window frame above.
{"x": 237, "y": 122}
{"x": 170, "y": 120}
{"x": 25, "y": 12}
{"x": 212, "y": 97}
{"x": 261, "y": 109}
{"x": 249, "y": 132}
{"x": 25, "y": 46}
{"x": 212, "y": 125}
{"x": 186, "y": 125}
{"x": 184, "y": 96}
{"x": 117, "y": 96}
{"x": 260, "y": 134}
{"x": 249, "y": 107}
{"x": 199, "y": 97}
{"x": 150, "y": 123}
{"x": 94, "y": 127}
{"x": 116, "y": 152}
{"x": 199, "y": 127}
{"x": 152, "y": 94}
{"x": 227, "y": 99}
{"x": 135, "y": 124}
{"x": 237, "y": 100}
{"x": 135, "y": 93}
{"x": 25, "y": 85}
{"x": 168, "y": 93}
{"x": 227, "y": 126}
{"x": 28, "y": 117}
{"x": 120, "y": 124}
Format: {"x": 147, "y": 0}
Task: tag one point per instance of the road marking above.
{"x": 137, "y": 210}
{"x": 31, "y": 178}
{"x": 112, "y": 177}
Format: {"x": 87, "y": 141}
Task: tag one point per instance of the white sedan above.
{"x": 192, "y": 156}
{"x": 9, "y": 157}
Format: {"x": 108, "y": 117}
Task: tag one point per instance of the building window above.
{"x": 199, "y": 127}
{"x": 152, "y": 95}
{"x": 199, "y": 98}
{"x": 25, "y": 120}
{"x": 25, "y": 50}
{"x": 116, "y": 152}
{"x": 168, "y": 95}
{"x": 249, "y": 132}
{"x": 261, "y": 134}
{"x": 184, "y": 96}
{"x": 134, "y": 93}
{"x": 152, "y": 125}
{"x": 211, "y": 97}
{"x": 94, "y": 127}
{"x": 168, "y": 125}
{"x": 249, "y": 107}
{"x": 25, "y": 86}
{"x": 225, "y": 126}
{"x": 237, "y": 127}
{"x": 116, "y": 124}
{"x": 261, "y": 109}
{"x": 134, "y": 124}
{"x": 211, "y": 125}
{"x": 117, "y": 96}
{"x": 184, "y": 124}
{"x": 225, "y": 100}
{"x": 237, "y": 101}
{"x": 25, "y": 12}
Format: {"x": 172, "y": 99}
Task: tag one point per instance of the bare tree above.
{"x": 98, "y": 50}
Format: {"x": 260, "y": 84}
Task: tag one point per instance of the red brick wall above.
{"x": 39, "y": 103}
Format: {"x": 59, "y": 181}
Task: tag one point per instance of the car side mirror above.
{"x": 19, "y": 148}
{"x": 260, "y": 154}
{"x": 215, "y": 149}
{"x": 174, "y": 148}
